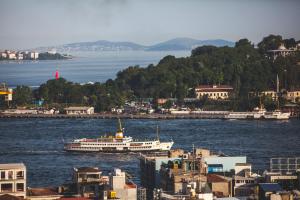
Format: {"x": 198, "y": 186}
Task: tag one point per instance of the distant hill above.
{"x": 103, "y": 45}
{"x": 187, "y": 44}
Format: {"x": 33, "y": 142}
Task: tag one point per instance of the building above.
{"x": 221, "y": 186}
{"x": 281, "y": 51}
{"x": 265, "y": 190}
{"x": 243, "y": 180}
{"x": 3, "y": 55}
{"x": 222, "y": 163}
{"x": 11, "y": 56}
{"x": 13, "y": 179}
{"x": 19, "y": 56}
{"x": 87, "y": 181}
{"x": 286, "y": 181}
{"x": 269, "y": 93}
{"x": 293, "y": 95}
{"x": 79, "y": 110}
{"x": 176, "y": 174}
{"x": 213, "y": 91}
{"x": 43, "y": 194}
{"x": 150, "y": 166}
{"x": 121, "y": 188}
{"x": 32, "y": 55}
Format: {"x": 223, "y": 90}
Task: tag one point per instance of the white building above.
{"x": 11, "y": 56}
{"x": 13, "y": 179}
{"x": 33, "y": 55}
{"x": 213, "y": 91}
{"x": 79, "y": 110}
{"x": 281, "y": 51}
{"x": 19, "y": 56}
{"x": 124, "y": 190}
{"x": 3, "y": 55}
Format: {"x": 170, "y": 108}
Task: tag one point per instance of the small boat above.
{"x": 117, "y": 143}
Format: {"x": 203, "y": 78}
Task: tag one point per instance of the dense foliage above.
{"x": 243, "y": 66}
{"x": 50, "y": 56}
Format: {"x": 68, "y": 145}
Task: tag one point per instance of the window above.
{"x": 20, "y": 187}
{"x": 10, "y": 174}
{"x": 20, "y": 174}
{"x": 6, "y": 187}
{"x": 3, "y": 175}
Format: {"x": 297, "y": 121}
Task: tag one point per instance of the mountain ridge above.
{"x": 175, "y": 44}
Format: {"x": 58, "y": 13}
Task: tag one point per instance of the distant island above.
{"x": 177, "y": 44}
{"x": 32, "y": 55}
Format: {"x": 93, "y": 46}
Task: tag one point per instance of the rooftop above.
{"x": 214, "y": 87}
{"x": 270, "y": 187}
{"x": 78, "y": 108}
{"x": 12, "y": 166}
{"x": 42, "y": 191}
{"x": 213, "y": 178}
{"x": 9, "y": 197}
{"x": 87, "y": 169}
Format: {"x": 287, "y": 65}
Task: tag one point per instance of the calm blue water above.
{"x": 95, "y": 67}
{"x": 39, "y": 143}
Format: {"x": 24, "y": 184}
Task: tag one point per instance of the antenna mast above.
{"x": 157, "y": 132}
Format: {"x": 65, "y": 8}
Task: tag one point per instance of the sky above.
{"x": 35, "y": 23}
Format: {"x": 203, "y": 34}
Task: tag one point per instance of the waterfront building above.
{"x": 3, "y": 55}
{"x": 122, "y": 189}
{"x": 13, "y": 179}
{"x": 214, "y": 91}
{"x": 293, "y": 95}
{"x": 269, "y": 93}
{"x": 11, "y": 55}
{"x": 33, "y": 55}
{"x": 79, "y": 110}
{"x": 19, "y": 56}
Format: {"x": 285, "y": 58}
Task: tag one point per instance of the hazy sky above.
{"x": 33, "y": 23}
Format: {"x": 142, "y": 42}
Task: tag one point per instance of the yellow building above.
{"x": 293, "y": 95}
{"x": 213, "y": 91}
{"x": 269, "y": 93}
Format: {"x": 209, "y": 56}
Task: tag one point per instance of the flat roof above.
{"x": 78, "y": 108}
{"x": 12, "y": 166}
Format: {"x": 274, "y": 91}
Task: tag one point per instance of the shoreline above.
{"x": 130, "y": 116}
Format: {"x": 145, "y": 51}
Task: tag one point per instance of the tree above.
{"x": 22, "y": 95}
{"x": 270, "y": 42}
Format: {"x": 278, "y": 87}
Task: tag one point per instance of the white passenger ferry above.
{"x": 117, "y": 143}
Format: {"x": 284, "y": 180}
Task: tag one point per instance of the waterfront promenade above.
{"x": 214, "y": 115}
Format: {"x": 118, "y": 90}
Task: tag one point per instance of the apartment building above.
{"x": 13, "y": 179}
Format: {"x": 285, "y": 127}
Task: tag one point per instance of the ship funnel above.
{"x": 119, "y": 133}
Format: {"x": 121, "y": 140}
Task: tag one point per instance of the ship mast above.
{"x": 119, "y": 133}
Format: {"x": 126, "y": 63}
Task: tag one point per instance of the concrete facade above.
{"x": 13, "y": 179}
